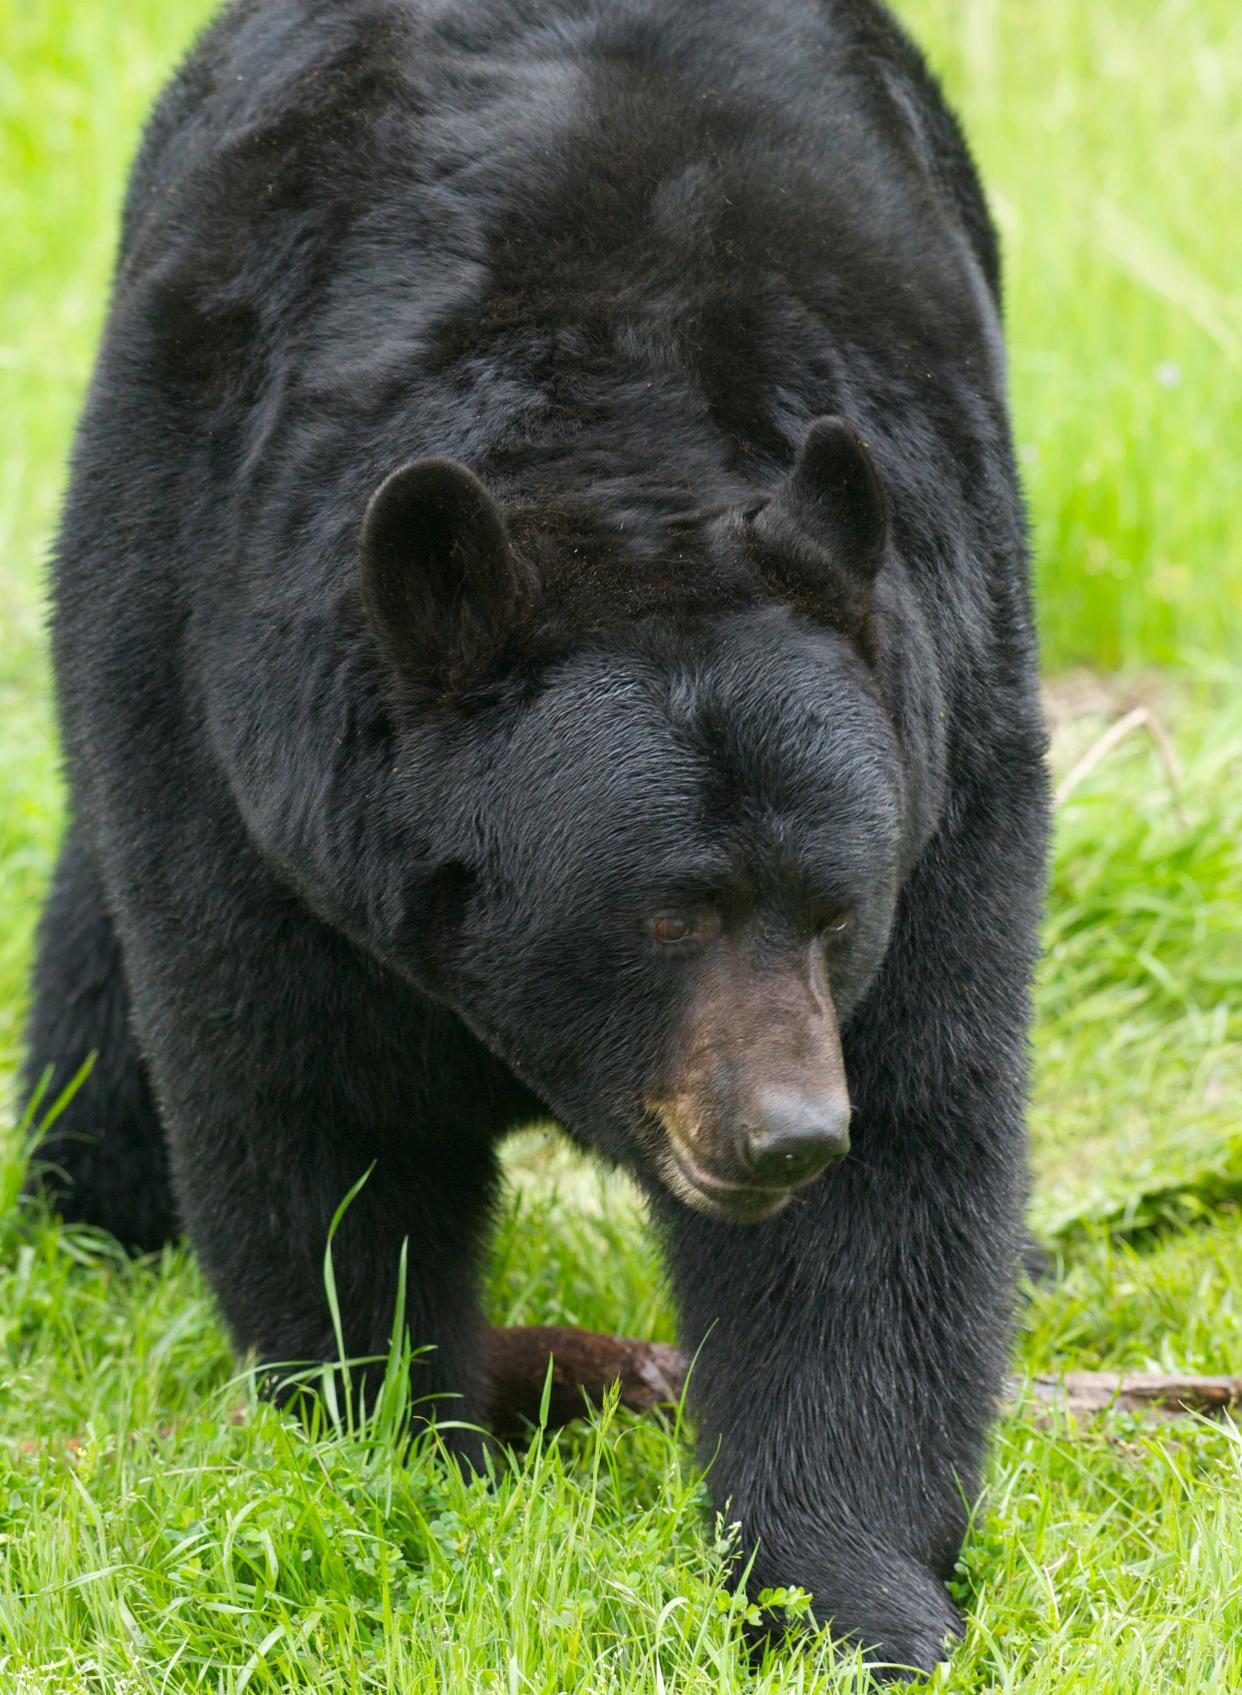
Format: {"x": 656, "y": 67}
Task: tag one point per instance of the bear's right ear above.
{"x": 440, "y": 583}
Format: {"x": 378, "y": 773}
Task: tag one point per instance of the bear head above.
{"x": 662, "y": 854}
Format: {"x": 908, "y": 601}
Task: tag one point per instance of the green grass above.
{"x": 1104, "y": 129}
{"x": 150, "y": 1542}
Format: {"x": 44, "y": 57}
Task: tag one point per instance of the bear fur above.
{"x": 541, "y": 624}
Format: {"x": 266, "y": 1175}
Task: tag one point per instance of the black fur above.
{"x": 361, "y": 867}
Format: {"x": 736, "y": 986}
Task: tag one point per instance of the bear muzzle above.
{"x": 757, "y": 1106}
{"x": 754, "y": 1173}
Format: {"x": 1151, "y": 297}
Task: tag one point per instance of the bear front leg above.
{"x": 847, "y": 1358}
{"x": 264, "y": 1255}
{"x": 849, "y": 1352}
{"x": 289, "y": 1067}
{"x": 259, "y": 1210}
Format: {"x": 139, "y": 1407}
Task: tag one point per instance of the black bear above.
{"x": 541, "y": 623}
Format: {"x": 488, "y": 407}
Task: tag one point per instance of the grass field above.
{"x": 151, "y": 1542}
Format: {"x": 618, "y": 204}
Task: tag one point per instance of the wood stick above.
{"x": 585, "y": 1366}
{"x": 653, "y": 1374}
{"x": 1085, "y": 1393}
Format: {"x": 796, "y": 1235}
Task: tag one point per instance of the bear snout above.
{"x": 758, "y": 1104}
{"x": 793, "y": 1137}
{"x": 744, "y": 1171}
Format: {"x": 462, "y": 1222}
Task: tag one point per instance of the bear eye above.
{"x": 674, "y": 927}
{"x": 838, "y": 922}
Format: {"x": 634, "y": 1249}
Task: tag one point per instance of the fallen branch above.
{"x": 1085, "y": 1393}
{"x": 653, "y": 1374}
{"x": 585, "y": 1366}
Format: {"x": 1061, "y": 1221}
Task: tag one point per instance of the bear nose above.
{"x": 794, "y": 1137}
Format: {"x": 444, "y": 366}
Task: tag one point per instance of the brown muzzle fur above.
{"x": 755, "y": 1103}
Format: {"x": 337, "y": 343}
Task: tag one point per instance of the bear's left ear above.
{"x": 440, "y": 582}
{"x": 823, "y": 535}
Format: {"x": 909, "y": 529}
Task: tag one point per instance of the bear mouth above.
{"x": 730, "y": 1203}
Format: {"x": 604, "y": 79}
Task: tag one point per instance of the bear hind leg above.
{"x": 103, "y": 1160}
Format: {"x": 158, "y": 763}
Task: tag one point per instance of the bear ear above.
{"x": 440, "y": 583}
{"x": 823, "y": 535}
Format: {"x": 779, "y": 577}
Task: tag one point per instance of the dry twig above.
{"x": 1140, "y": 718}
